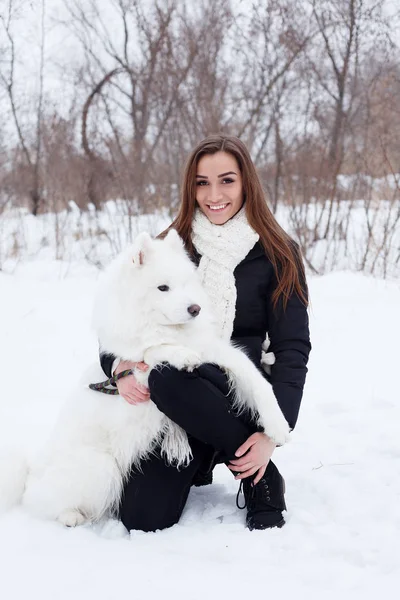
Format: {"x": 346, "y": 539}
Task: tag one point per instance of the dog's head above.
{"x": 160, "y": 277}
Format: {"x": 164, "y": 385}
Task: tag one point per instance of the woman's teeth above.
{"x": 218, "y": 206}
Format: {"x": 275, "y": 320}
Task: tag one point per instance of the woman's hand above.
{"x": 131, "y": 390}
{"x": 258, "y": 448}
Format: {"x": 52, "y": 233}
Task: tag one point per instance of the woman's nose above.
{"x": 215, "y": 194}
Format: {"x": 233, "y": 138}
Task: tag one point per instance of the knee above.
{"x": 169, "y": 385}
{"x": 163, "y": 373}
{"x": 141, "y": 509}
{"x": 166, "y": 375}
{"x": 165, "y": 380}
{"x": 147, "y": 522}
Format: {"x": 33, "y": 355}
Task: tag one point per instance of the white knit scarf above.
{"x": 222, "y": 248}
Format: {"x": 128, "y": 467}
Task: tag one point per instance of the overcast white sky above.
{"x": 61, "y": 49}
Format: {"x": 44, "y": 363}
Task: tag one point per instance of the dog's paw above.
{"x": 142, "y": 376}
{"x": 152, "y": 356}
{"x": 71, "y": 518}
{"x": 186, "y": 359}
{"x": 192, "y": 362}
{"x": 179, "y": 357}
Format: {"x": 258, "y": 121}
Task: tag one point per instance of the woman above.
{"x": 254, "y": 275}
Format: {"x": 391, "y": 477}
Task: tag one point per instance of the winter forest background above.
{"x": 100, "y": 103}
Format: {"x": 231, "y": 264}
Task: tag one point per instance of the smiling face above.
{"x": 219, "y": 189}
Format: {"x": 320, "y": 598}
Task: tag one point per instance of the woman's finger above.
{"x": 141, "y": 388}
{"x": 142, "y": 366}
{"x": 244, "y": 447}
{"x": 244, "y": 467}
{"x": 130, "y": 399}
{"x": 138, "y": 399}
{"x": 139, "y": 393}
{"x": 249, "y": 457}
{"x": 143, "y": 399}
{"x": 260, "y": 474}
{"x": 248, "y": 473}
{"x": 132, "y": 390}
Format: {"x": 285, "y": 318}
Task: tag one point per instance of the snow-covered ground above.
{"x": 343, "y": 490}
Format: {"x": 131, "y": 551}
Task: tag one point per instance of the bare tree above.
{"x": 136, "y": 88}
{"x": 347, "y": 30}
{"x": 31, "y": 152}
{"x": 311, "y": 87}
{"x": 268, "y": 42}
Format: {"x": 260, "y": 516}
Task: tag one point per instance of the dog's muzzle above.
{"x": 194, "y": 310}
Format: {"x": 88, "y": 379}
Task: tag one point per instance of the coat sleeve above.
{"x": 106, "y": 362}
{"x": 289, "y": 334}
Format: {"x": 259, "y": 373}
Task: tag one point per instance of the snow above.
{"x": 365, "y": 235}
{"x": 341, "y": 468}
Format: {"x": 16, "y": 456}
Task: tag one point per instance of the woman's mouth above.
{"x": 217, "y": 207}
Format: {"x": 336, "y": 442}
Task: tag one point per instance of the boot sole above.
{"x": 279, "y": 525}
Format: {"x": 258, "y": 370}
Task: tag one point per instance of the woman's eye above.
{"x": 200, "y": 183}
{"x": 227, "y": 180}
{"x": 163, "y": 288}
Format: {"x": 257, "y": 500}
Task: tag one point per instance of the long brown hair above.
{"x": 279, "y": 247}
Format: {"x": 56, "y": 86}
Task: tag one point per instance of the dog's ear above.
{"x": 174, "y": 240}
{"x": 142, "y": 246}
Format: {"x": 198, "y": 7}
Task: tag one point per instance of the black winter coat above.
{"x": 255, "y": 316}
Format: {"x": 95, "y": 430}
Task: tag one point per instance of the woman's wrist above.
{"x": 125, "y": 365}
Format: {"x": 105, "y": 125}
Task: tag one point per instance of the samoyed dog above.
{"x": 150, "y": 306}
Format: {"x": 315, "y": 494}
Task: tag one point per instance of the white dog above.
{"x": 150, "y": 306}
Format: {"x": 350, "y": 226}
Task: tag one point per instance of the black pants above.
{"x": 201, "y": 403}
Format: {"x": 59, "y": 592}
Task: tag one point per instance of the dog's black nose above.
{"x": 194, "y": 310}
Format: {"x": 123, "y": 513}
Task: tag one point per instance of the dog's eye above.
{"x": 163, "y": 288}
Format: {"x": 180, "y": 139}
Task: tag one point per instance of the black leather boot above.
{"x": 264, "y": 501}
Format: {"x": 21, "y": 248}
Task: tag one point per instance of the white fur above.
{"x": 13, "y": 474}
{"x": 81, "y": 472}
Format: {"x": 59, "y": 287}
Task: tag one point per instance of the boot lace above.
{"x": 240, "y": 490}
{"x": 246, "y": 500}
{"x": 253, "y": 491}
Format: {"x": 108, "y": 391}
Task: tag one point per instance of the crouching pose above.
{"x": 150, "y": 304}
{"x": 254, "y": 276}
